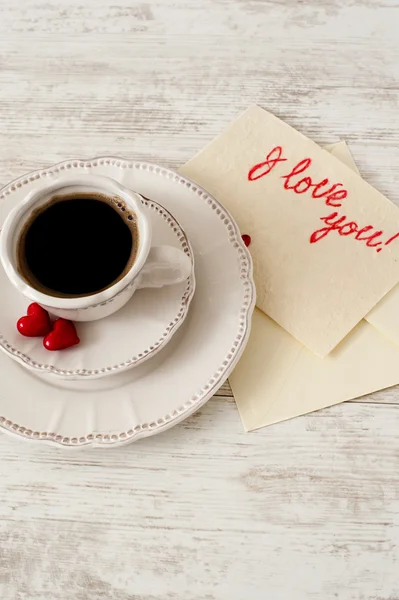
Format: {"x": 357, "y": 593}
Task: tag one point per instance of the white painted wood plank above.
{"x": 158, "y": 81}
{"x": 303, "y": 509}
{"x": 307, "y": 509}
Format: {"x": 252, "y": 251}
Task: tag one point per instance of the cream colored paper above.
{"x": 340, "y": 151}
{"x": 317, "y": 291}
{"x": 385, "y": 316}
{"x": 278, "y": 378}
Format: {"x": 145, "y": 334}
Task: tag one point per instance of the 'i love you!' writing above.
{"x": 333, "y": 195}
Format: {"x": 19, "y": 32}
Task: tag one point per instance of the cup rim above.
{"x": 18, "y": 215}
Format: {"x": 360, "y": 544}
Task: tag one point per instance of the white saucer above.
{"x": 119, "y": 342}
{"x": 163, "y": 391}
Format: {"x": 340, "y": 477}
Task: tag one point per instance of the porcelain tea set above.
{"x": 135, "y": 353}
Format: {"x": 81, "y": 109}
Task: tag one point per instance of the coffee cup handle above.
{"x": 165, "y": 265}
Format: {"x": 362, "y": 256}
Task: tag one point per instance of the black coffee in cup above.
{"x": 78, "y": 245}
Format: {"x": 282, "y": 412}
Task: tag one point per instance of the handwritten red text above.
{"x": 343, "y": 227}
{"x": 332, "y": 193}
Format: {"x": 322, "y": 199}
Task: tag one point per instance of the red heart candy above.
{"x": 36, "y": 323}
{"x": 246, "y": 239}
{"x": 63, "y": 336}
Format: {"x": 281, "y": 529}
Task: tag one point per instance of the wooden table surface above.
{"x": 303, "y": 510}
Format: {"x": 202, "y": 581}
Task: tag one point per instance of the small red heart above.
{"x": 36, "y": 323}
{"x": 63, "y": 336}
{"x": 246, "y": 239}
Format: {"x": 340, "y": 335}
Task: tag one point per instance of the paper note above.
{"x": 340, "y": 151}
{"x": 278, "y": 378}
{"x": 385, "y": 316}
{"x": 325, "y": 244}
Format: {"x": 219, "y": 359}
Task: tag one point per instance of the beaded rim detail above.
{"x": 225, "y": 368}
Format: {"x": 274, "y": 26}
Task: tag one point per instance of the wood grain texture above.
{"x": 304, "y": 510}
{"x": 307, "y": 508}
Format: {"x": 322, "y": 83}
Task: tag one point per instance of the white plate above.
{"x": 163, "y": 391}
{"x": 117, "y": 343}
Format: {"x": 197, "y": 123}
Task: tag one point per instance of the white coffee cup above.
{"x": 154, "y": 266}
